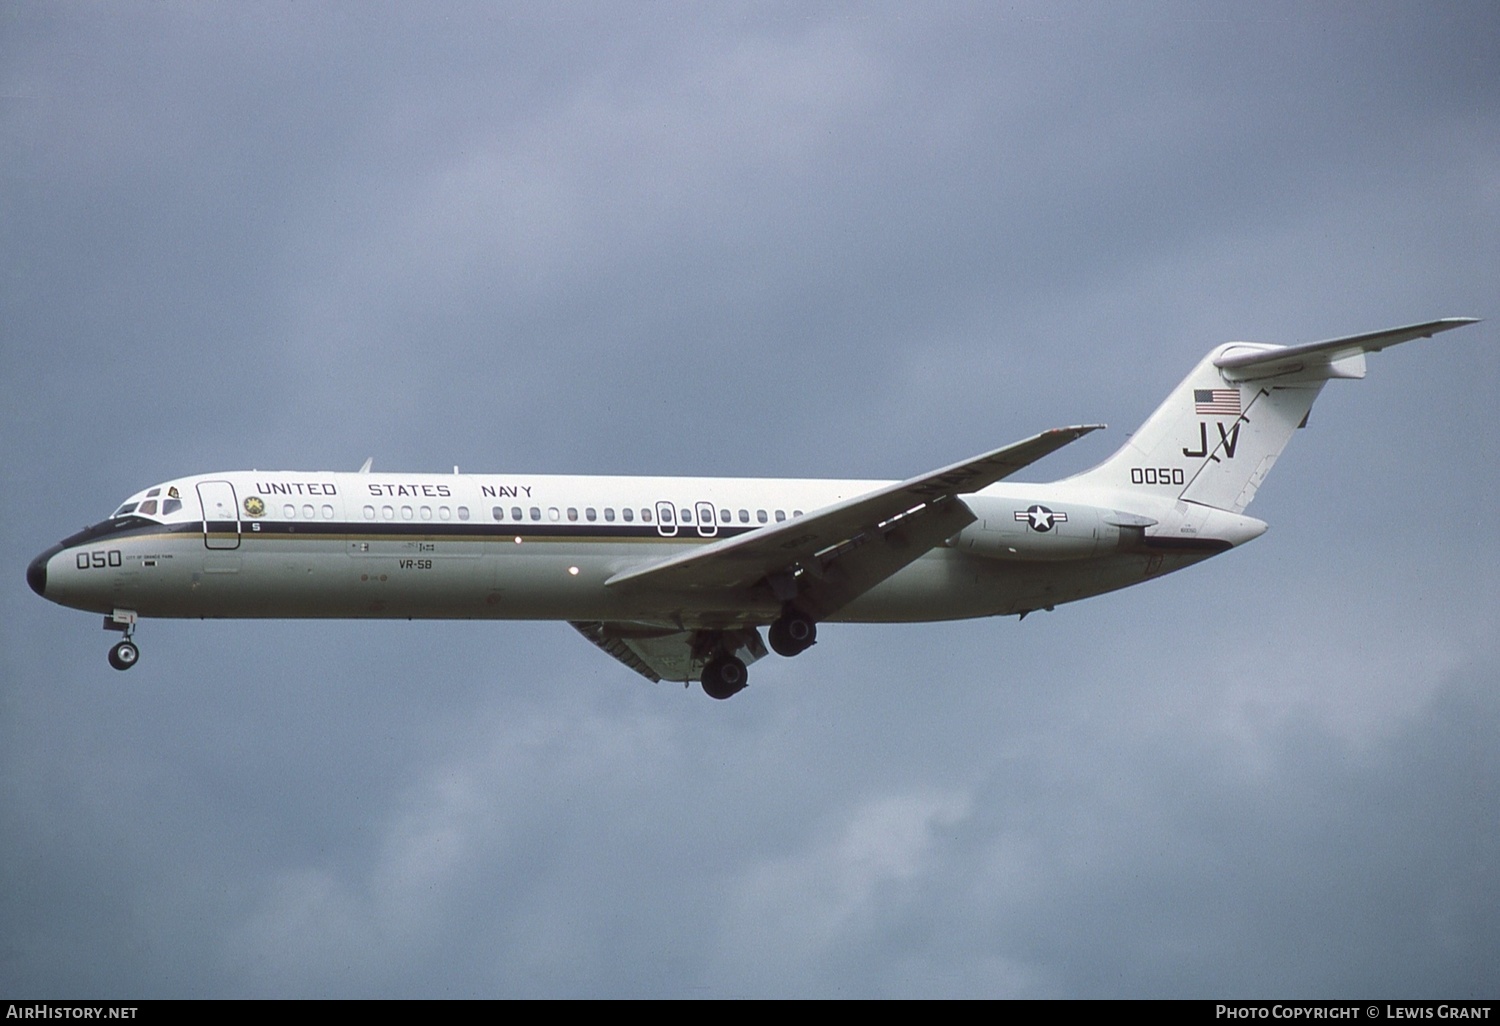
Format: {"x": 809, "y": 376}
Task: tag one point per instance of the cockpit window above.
{"x": 170, "y": 506}
{"x": 129, "y": 507}
{"x": 153, "y": 493}
{"x": 147, "y": 507}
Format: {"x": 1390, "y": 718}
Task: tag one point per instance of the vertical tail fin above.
{"x": 1218, "y": 434}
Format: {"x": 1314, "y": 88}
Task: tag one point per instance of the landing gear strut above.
{"x": 124, "y": 654}
{"x": 793, "y": 634}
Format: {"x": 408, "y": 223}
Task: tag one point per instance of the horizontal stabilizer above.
{"x": 1256, "y": 362}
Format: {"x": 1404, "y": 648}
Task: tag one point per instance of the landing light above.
{"x": 573, "y": 570}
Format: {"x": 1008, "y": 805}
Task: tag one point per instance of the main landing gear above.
{"x": 124, "y": 654}
{"x": 793, "y": 634}
{"x": 724, "y": 674}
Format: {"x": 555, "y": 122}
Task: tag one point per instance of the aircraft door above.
{"x": 221, "y": 515}
{"x": 666, "y": 519}
{"x": 707, "y": 525}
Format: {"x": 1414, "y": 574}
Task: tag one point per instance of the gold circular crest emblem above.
{"x": 254, "y": 506}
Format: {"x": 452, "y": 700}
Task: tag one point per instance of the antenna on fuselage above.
{"x": 365, "y": 467}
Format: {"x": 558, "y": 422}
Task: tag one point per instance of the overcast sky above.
{"x": 755, "y": 239}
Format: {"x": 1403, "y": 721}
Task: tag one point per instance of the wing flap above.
{"x": 658, "y": 653}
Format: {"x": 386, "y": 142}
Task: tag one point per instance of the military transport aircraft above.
{"x": 675, "y": 576}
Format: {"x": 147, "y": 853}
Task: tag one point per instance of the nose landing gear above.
{"x": 124, "y": 654}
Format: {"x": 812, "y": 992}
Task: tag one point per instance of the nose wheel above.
{"x": 124, "y": 654}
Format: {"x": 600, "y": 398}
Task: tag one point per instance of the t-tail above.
{"x": 1216, "y": 437}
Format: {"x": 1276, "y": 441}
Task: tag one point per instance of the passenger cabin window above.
{"x": 609, "y": 514}
{"x": 724, "y": 516}
{"x": 590, "y": 515}
{"x": 645, "y": 516}
{"x": 760, "y": 515}
{"x": 686, "y": 515}
{"x": 744, "y": 516}
{"x": 515, "y": 512}
{"x": 780, "y": 515}
{"x": 498, "y": 513}
{"x": 463, "y": 512}
{"x": 369, "y": 512}
{"x": 573, "y": 513}
{"x": 628, "y": 514}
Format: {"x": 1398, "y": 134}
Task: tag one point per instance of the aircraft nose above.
{"x": 36, "y": 573}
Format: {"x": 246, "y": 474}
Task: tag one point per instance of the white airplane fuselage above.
{"x": 675, "y": 577}
{"x": 445, "y": 546}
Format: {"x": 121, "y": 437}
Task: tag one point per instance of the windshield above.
{"x": 153, "y": 505}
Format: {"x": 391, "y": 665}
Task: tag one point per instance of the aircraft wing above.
{"x": 658, "y": 653}
{"x": 828, "y": 555}
{"x": 1255, "y": 363}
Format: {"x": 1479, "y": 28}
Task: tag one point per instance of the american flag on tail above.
{"x": 1216, "y": 402}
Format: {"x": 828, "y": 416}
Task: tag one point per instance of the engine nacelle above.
{"x": 1036, "y": 530}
